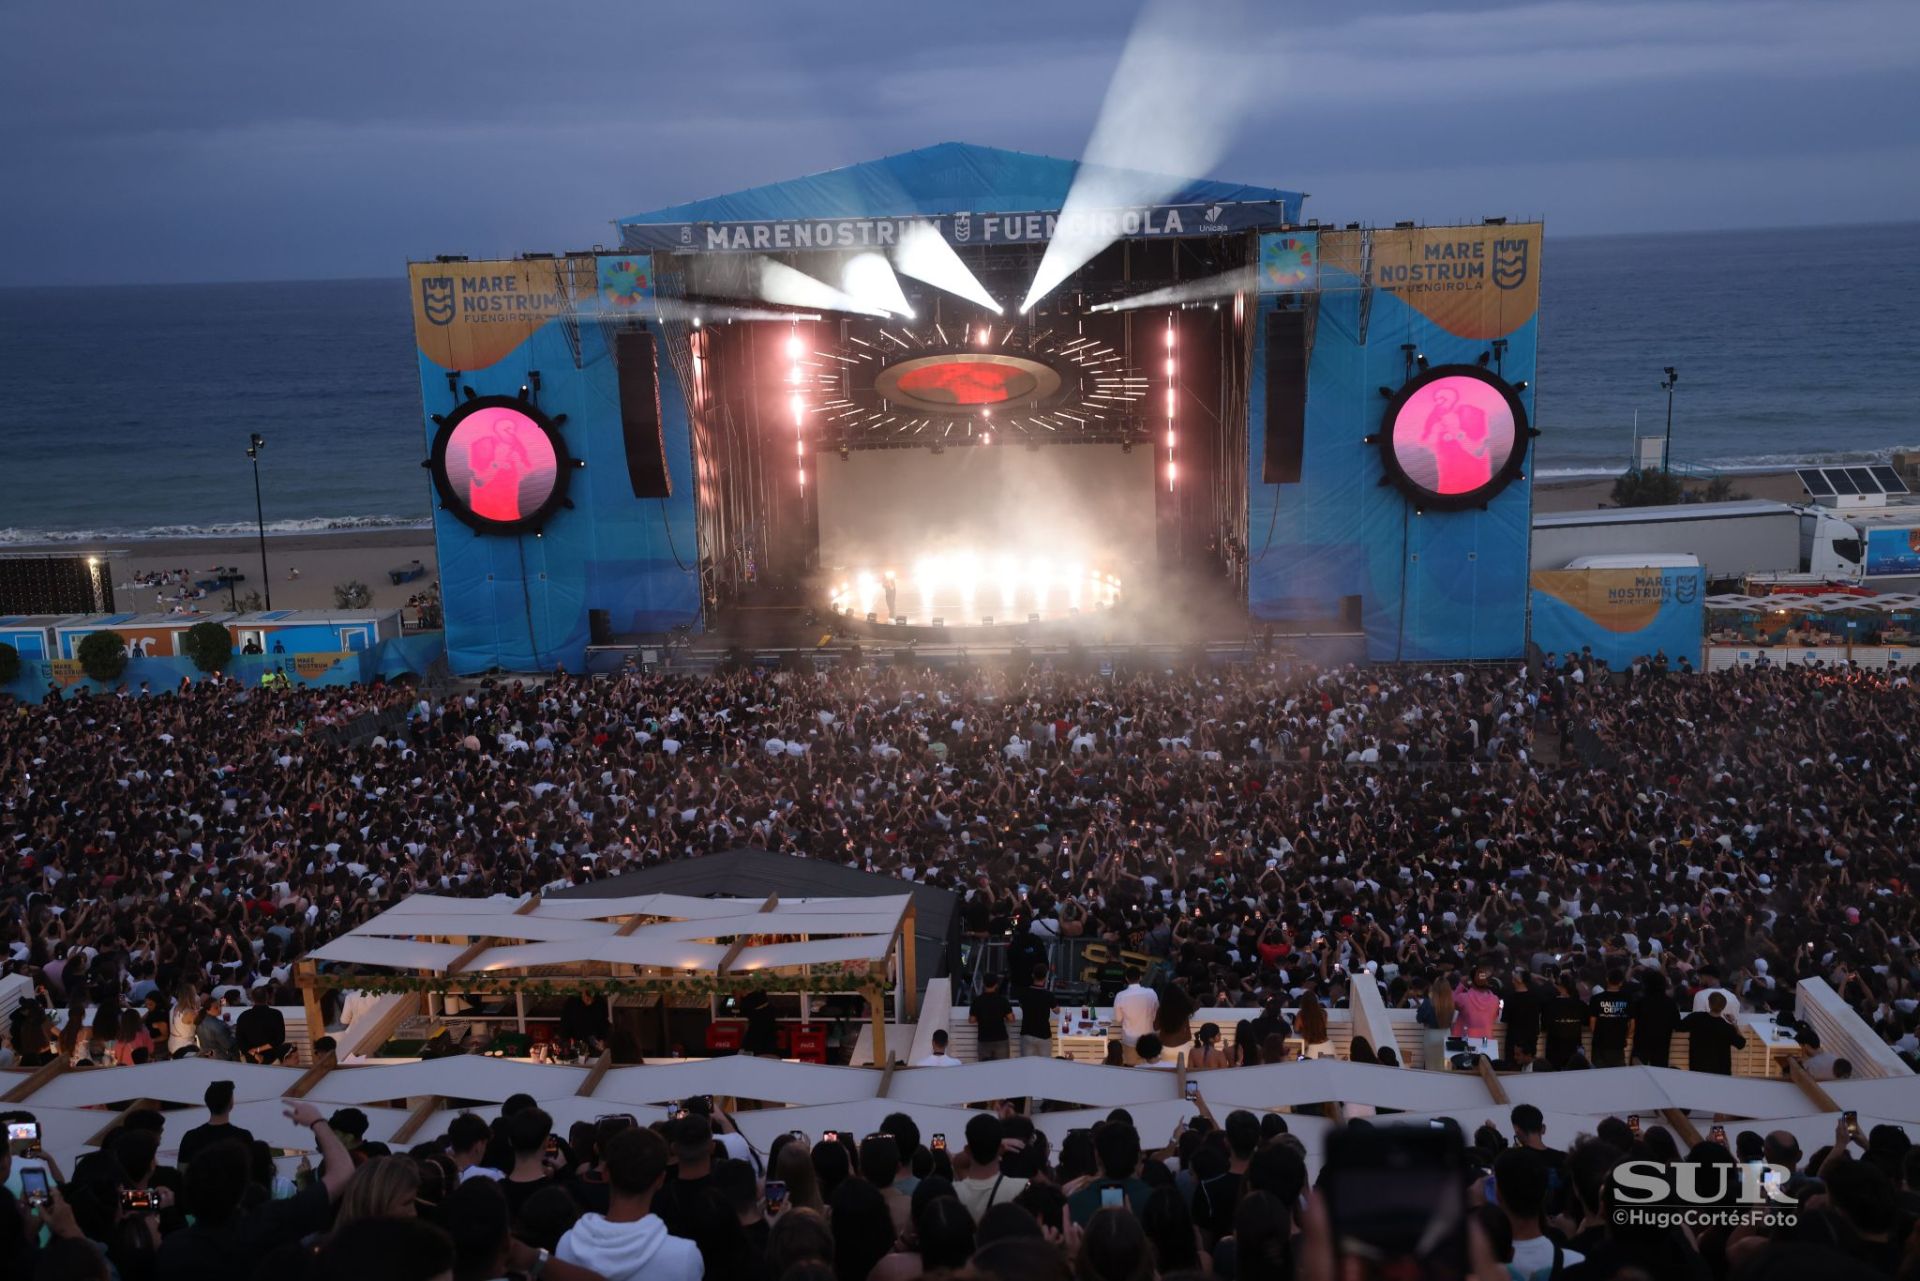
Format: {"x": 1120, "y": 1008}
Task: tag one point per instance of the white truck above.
{"x": 1747, "y": 539}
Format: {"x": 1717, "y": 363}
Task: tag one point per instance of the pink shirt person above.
{"x": 1476, "y": 1010}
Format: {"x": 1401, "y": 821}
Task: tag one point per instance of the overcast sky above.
{"x": 202, "y": 141}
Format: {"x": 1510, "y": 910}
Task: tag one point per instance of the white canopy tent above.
{"x": 851, "y": 945}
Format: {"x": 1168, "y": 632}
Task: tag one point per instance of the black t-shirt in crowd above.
{"x": 1711, "y": 1041}
{"x": 260, "y": 1025}
{"x": 678, "y": 1203}
{"x": 590, "y": 1194}
{"x": 762, "y": 1029}
{"x": 232, "y": 1248}
{"x": 202, "y": 1137}
{"x": 1036, "y": 1012}
{"x": 1553, "y": 1166}
{"x": 990, "y": 1010}
{"x": 1611, "y": 1012}
{"x": 1565, "y": 1020}
{"x": 1520, "y": 1008}
{"x": 1654, "y": 1019}
{"x": 519, "y": 1193}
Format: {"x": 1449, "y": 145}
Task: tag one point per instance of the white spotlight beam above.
{"x": 924, "y": 254}
{"x": 789, "y": 287}
{"x": 1179, "y": 90}
{"x": 867, "y": 279}
{"x": 1224, "y": 285}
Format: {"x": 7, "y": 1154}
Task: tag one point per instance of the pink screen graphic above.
{"x": 502, "y": 463}
{"x": 1454, "y": 435}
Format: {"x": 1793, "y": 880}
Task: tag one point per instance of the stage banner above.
{"x": 469, "y": 315}
{"x": 626, "y": 282}
{"x": 1893, "y": 551}
{"x": 1621, "y": 614}
{"x": 1289, "y": 262}
{"x": 160, "y": 674}
{"x": 1220, "y": 218}
{"x": 1474, "y": 282}
{"x": 314, "y": 669}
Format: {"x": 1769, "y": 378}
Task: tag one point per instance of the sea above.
{"x": 129, "y": 408}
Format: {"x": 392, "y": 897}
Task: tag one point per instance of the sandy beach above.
{"x": 323, "y": 561}
{"x": 326, "y": 560}
{"x": 1587, "y": 493}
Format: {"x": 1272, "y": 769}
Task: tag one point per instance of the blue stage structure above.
{"x": 576, "y": 429}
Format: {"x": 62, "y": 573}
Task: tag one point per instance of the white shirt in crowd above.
{"x": 633, "y": 1251}
{"x": 1534, "y": 1258}
{"x": 938, "y": 1060}
{"x": 1135, "y": 1008}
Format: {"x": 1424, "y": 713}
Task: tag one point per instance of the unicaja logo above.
{"x": 436, "y": 298}
{"x": 1701, "y": 1194}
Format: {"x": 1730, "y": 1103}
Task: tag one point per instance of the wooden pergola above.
{"x": 665, "y": 943}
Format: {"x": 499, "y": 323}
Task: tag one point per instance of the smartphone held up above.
{"x": 1397, "y": 1202}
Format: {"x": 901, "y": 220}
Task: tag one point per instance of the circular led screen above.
{"x": 961, "y": 381}
{"x": 499, "y": 464}
{"x": 1455, "y": 436}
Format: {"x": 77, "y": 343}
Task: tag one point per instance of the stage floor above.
{"x": 957, "y": 597}
{"x": 1174, "y": 616}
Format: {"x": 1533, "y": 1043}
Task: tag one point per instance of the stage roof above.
{"x": 947, "y": 178}
{"x": 746, "y": 873}
{"x": 665, "y": 931}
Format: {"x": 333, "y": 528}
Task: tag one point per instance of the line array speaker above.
{"x": 1286, "y": 397}
{"x": 635, "y": 365}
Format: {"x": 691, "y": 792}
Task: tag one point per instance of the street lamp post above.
{"x": 255, "y": 444}
{"x": 1666, "y": 454}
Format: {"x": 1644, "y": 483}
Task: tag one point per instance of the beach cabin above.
{"x": 147, "y": 635}
{"x": 313, "y": 631}
{"x": 31, "y": 635}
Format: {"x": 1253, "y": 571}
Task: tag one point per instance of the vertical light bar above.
{"x": 795, "y": 350}
{"x": 1172, "y": 383}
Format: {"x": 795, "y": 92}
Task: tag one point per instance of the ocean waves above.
{"x": 26, "y": 537}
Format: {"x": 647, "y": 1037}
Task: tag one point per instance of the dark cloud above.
{"x": 194, "y": 142}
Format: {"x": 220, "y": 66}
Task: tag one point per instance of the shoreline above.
{"x": 328, "y": 557}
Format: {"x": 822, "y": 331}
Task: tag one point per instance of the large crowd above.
{"x": 1588, "y": 854}
{"x": 689, "y": 1198}
{"x": 1472, "y": 840}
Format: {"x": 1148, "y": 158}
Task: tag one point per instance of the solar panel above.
{"x": 1841, "y": 482}
{"x": 1889, "y": 479}
{"x": 1863, "y": 477}
{"x": 1815, "y": 482}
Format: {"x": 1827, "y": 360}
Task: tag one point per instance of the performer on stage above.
{"x": 1457, "y": 435}
{"x": 499, "y": 462}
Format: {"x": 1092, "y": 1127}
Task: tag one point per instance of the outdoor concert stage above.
{"x": 833, "y": 413}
